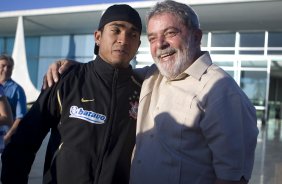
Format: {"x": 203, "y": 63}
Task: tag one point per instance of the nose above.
{"x": 162, "y": 43}
{"x": 123, "y": 38}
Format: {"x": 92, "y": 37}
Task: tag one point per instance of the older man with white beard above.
{"x": 195, "y": 125}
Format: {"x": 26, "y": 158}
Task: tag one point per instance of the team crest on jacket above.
{"x": 133, "y": 102}
{"x": 90, "y": 116}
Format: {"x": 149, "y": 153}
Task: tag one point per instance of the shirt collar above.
{"x": 198, "y": 68}
{"x": 107, "y": 71}
{"x": 7, "y": 82}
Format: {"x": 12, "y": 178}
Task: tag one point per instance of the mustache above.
{"x": 169, "y": 50}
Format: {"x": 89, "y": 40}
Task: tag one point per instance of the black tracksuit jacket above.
{"x": 93, "y": 110}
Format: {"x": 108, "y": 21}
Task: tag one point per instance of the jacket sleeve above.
{"x": 20, "y": 152}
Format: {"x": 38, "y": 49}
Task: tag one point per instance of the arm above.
{"x": 54, "y": 70}
{"x": 11, "y": 131}
{"x": 141, "y": 72}
{"x": 6, "y": 117}
{"x": 21, "y": 110}
{"x": 229, "y": 126}
{"x": 20, "y": 152}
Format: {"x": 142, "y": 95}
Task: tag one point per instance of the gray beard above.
{"x": 171, "y": 69}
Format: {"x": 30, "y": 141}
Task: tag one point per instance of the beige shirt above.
{"x": 194, "y": 129}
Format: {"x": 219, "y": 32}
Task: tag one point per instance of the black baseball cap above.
{"x": 119, "y": 12}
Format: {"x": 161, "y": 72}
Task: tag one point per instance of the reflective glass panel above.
{"x": 254, "y": 64}
{"x": 224, "y": 63}
{"x": 252, "y": 39}
{"x": 275, "y": 39}
{"x": 1, "y": 45}
{"x": 32, "y": 56}
{"x": 222, "y": 52}
{"x": 251, "y": 52}
{"x": 144, "y": 41}
{"x": 6, "y": 45}
{"x": 204, "y": 41}
{"x": 253, "y": 84}
{"x": 55, "y": 46}
{"x": 223, "y": 40}
{"x": 274, "y": 52}
{"x": 77, "y": 47}
{"x": 84, "y": 47}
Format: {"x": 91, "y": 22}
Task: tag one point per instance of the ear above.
{"x": 97, "y": 37}
{"x": 198, "y": 36}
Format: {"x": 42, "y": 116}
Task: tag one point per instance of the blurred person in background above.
{"x": 14, "y": 93}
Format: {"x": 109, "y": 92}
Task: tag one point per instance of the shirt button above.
{"x": 138, "y": 161}
{"x": 152, "y": 135}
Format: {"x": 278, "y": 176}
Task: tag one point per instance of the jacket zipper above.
{"x": 110, "y": 122}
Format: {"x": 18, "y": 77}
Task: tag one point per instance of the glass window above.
{"x": 143, "y": 56}
{"x": 55, "y": 46}
{"x": 254, "y": 64}
{"x": 1, "y": 45}
{"x": 252, "y": 52}
{"x": 253, "y": 84}
{"x": 224, "y": 63}
{"x": 144, "y": 41}
{"x": 10, "y": 45}
{"x": 32, "y": 56}
{"x": 252, "y": 39}
{"x": 6, "y": 45}
{"x": 274, "y": 52}
{"x": 223, "y": 40}
{"x": 77, "y": 47}
{"x": 275, "y": 39}
{"x": 222, "y": 52}
{"x": 204, "y": 41}
{"x": 83, "y": 47}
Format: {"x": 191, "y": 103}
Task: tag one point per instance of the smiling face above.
{"x": 173, "y": 46}
{"x": 118, "y": 43}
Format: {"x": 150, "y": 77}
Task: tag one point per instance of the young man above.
{"x": 94, "y": 108}
{"x": 194, "y": 125}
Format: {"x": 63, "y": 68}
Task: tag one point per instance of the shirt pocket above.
{"x": 194, "y": 112}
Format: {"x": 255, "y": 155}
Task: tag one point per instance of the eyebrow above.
{"x": 133, "y": 28}
{"x": 166, "y": 29}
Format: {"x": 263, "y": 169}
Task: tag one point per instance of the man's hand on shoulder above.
{"x": 55, "y": 70}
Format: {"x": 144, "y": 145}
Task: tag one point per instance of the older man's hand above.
{"x": 55, "y": 69}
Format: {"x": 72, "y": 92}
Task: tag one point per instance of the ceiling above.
{"x": 264, "y": 15}
{"x": 259, "y": 15}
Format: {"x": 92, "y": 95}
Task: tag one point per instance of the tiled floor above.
{"x": 268, "y": 161}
